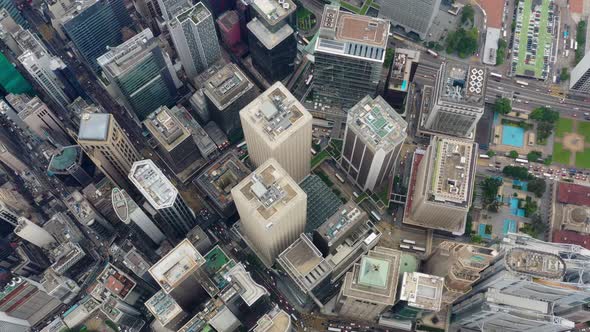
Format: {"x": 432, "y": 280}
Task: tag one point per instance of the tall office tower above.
{"x": 277, "y": 126}
{"x": 205, "y": 144}
{"x": 500, "y": 311}
{"x": 193, "y": 34}
{"x": 178, "y": 273}
{"x": 63, "y": 228}
{"x": 442, "y": 185}
{"x": 167, "y": 312}
{"x": 177, "y": 218}
{"x": 129, "y": 213}
{"x": 580, "y": 76}
{"x": 33, "y": 233}
{"x": 227, "y": 91}
{"x": 403, "y": 69}
{"x": 374, "y": 136}
{"x": 11, "y": 156}
{"x": 231, "y": 33}
{"x": 150, "y": 12}
{"x": 99, "y": 195}
{"x": 219, "y": 7}
{"x": 141, "y": 74}
{"x": 170, "y": 8}
{"x": 8, "y": 28}
{"x": 87, "y": 215}
{"x": 271, "y": 39}
{"x": 275, "y": 320}
{"x": 421, "y": 292}
{"x": 60, "y": 287}
{"x": 460, "y": 264}
{"x": 13, "y": 11}
{"x": 67, "y": 160}
{"x": 370, "y": 288}
{"x": 349, "y": 55}
{"x": 457, "y": 101}
{"x": 39, "y": 118}
{"x": 175, "y": 142}
{"x": 416, "y": 16}
{"x": 272, "y": 208}
{"x": 108, "y": 147}
{"x": 8, "y": 215}
{"x": 26, "y": 299}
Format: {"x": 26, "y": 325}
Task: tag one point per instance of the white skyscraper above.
{"x": 195, "y": 40}
{"x": 129, "y": 213}
{"x": 34, "y": 233}
{"x": 277, "y": 126}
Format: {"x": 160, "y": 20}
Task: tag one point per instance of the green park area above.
{"x": 560, "y": 155}
{"x": 584, "y": 130}
{"x": 571, "y": 144}
{"x": 564, "y": 125}
{"x": 305, "y": 19}
{"x": 534, "y": 64}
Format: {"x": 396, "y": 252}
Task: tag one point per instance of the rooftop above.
{"x": 462, "y": 84}
{"x": 570, "y": 193}
{"x": 322, "y": 202}
{"x": 226, "y": 85}
{"x": 120, "y": 58}
{"x": 268, "y": 38}
{"x": 535, "y": 263}
{"x": 204, "y": 143}
{"x": 347, "y": 217}
{"x": 304, "y": 263}
{"x": 166, "y": 128}
{"x": 273, "y": 11}
{"x": 571, "y": 237}
{"x": 276, "y": 113}
{"x": 163, "y": 307}
{"x": 379, "y": 125}
{"x": 64, "y": 158}
{"x": 116, "y": 282}
{"x": 422, "y": 291}
{"x": 135, "y": 262}
{"x": 153, "y": 184}
{"x": 269, "y": 190}
{"x": 248, "y": 289}
{"x": 275, "y": 321}
{"x": 80, "y": 207}
{"x": 352, "y": 35}
{"x": 120, "y": 204}
{"x": 196, "y": 13}
{"x": 401, "y": 68}
{"x": 94, "y": 127}
{"x": 178, "y": 264}
{"x": 219, "y": 178}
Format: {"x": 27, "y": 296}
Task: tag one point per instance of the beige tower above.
{"x": 272, "y": 209}
{"x": 108, "y": 146}
{"x": 277, "y": 126}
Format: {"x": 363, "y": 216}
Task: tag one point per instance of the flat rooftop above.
{"x": 219, "y": 178}
{"x": 248, "y": 289}
{"x": 153, "y": 184}
{"x": 570, "y": 193}
{"x": 177, "y": 265}
{"x": 462, "y": 84}
{"x": 121, "y": 58}
{"x": 269, "y": 190}
{"x": 227, "y": 85}
{"x": 269, "y": 38}
{"x": 94, "y": 126}
{"x": 341, "y": 222}
{"x": 116, "y": 282}
{"x": 535, "y": 263}
{"x": 166, "y": 128}
{"x": 401, "y": 69}
{"x": 275, "y": 321}
{"x": 422, "y": 291}
{"x": 64, "y": 158}
{"x": 452, "y": 172}
{"x": 135, "y": 262}
{"x": 273, "y": 11}
{"x": 276, "y": 114}
{"x": 378, "y": 124}
{"x": 322, "y": 202}
{"x": 80, "y": 207}
{"x": 304, "y": 263}
{"x": 196, "y": 13}
{"x": 163, "y": 307}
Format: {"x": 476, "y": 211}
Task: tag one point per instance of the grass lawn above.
{"x": 564, "y": 125}
{"x": 583, "y": 159}
{"x": 584, "y": 130}
{"x": 560, "y": 155}
{"x": 318, "y": 158}
{"x": 305, "y": 19}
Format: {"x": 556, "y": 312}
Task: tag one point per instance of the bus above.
{"x": 408, "y": 241}
{"x": 241, "y": 144}
{"x": 484, "y": 156}
{"x": 339, "y": 178}
{"x": 572, "y": 41}
{"x": 308, "y": 80}
{"x": 313, "y": 152}
{"x": 334, "y": 329}
{"x": 404, "y": 246}
{"x": 523, "y": 83}
{"x": 294, "y": 317}
{"x": 495, "y": 75}
{"x": 521, "y": 161}
{"x": 567, "y": 53}
{"x": 355, "y": 194}
{"x": 375, "y": 215}
{"x": 396, "y": 37}
{"x": 433, "y": 53}
{"x": 419, "y": 249}
{"x": 575, "y": 45}
{"x": 305, "y": 41}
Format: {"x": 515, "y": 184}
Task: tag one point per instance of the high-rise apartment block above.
{"x": 271, "y": 39}
{"x": 580, "y": 76}
{"x": 131, "y": 214}
{"x": 460, "y": 264}
{"x": 227, "y": 91}
{"x": 108, "y": 146}
{"x": 272, "y": 209}
{"x": 371, "y": 287}
{"x": 422, "y": 291}
{"x": 177, "y": 218}
{"x": 195, "y": 40}
{"x": 457, "y": 102}
{"x": 277, "y": 126}
{"x": 442, "y": 185}
{"x": 166, "y": 311}
{"x": 141, "y": 74}
{"x": 415, "y": 16}
{"x": 349, "y": 55}
{"x": 92, "y": 26}
{"x": 34, "y": 233}
{"x": 373, "y": 139}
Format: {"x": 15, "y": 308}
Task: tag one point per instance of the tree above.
{"x": 476, "y": 239}
{"x": 502, "y": 106}
{"x": 489, "y": 193}
{"x": 534, "y": 156}
{"x": 544, "y": 114}
{"x": 564, "y": 75}
{"x": 535, "y": 228}
{"x": 513, "y": 154}
{"x": 544, "y": 130}
{"x": 389, "y": 53}
{"x": 530, "y": 207}
{"x": 501, "y": 52}
{"x": 517, "y": 172}
{"x": 548, "y": 160}
{"x": 537, "y": 186}
{"x": 491, "y": 153}
{"x": 467, "y": 14}
{"x": 463, "y": 42}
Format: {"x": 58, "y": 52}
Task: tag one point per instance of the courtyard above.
{"x": 571, "y": 145}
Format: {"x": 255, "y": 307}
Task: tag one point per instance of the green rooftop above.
{"x": 408, "y": 263}
{"x": 66, "y": 157}
{"x": 11, "y": 80}
{"x": 373, "y": 272}
{"x": 215, "y": 259}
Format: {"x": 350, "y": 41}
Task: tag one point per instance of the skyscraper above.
{"x": 415, "y": 16}
{"x": 349, "y": 55}
{"x": 373, "y": 139}
{"x": 141, "y": 74}
{"x": 580, "y": 76}
{"x": 94, "y": 25}
{"x": 26, "y": 299}
{"x": 457, "y": 101}
{"x": 68, "y": 161}
{"x": 441, "y": 189}
{"x": 193, "y": 33}
{"x": 277, "y": 126}
{"x": 34, "y": 233}
{"x": 272, "y": 209}
{"x": 11, "y": 9}
{"x": 106, "y": 144}
{"x": 129, "y": 213}
{"x": 176, "y": 217}
{"x": 271, "y": 39}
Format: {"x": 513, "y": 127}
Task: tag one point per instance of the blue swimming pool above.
{"x": 481, "y": 231}
{"x": 513, "y": 136}
{"x": 404, "y": 85}
{"x": 514, "y": 207}
{"x": 509, "y": 226}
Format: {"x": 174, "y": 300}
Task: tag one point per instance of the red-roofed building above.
{"x": 576, "y": 6}
{"x": 569, "y": 193}
{"x": 572, "y": 237}
{"x": 494, "y": 11}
